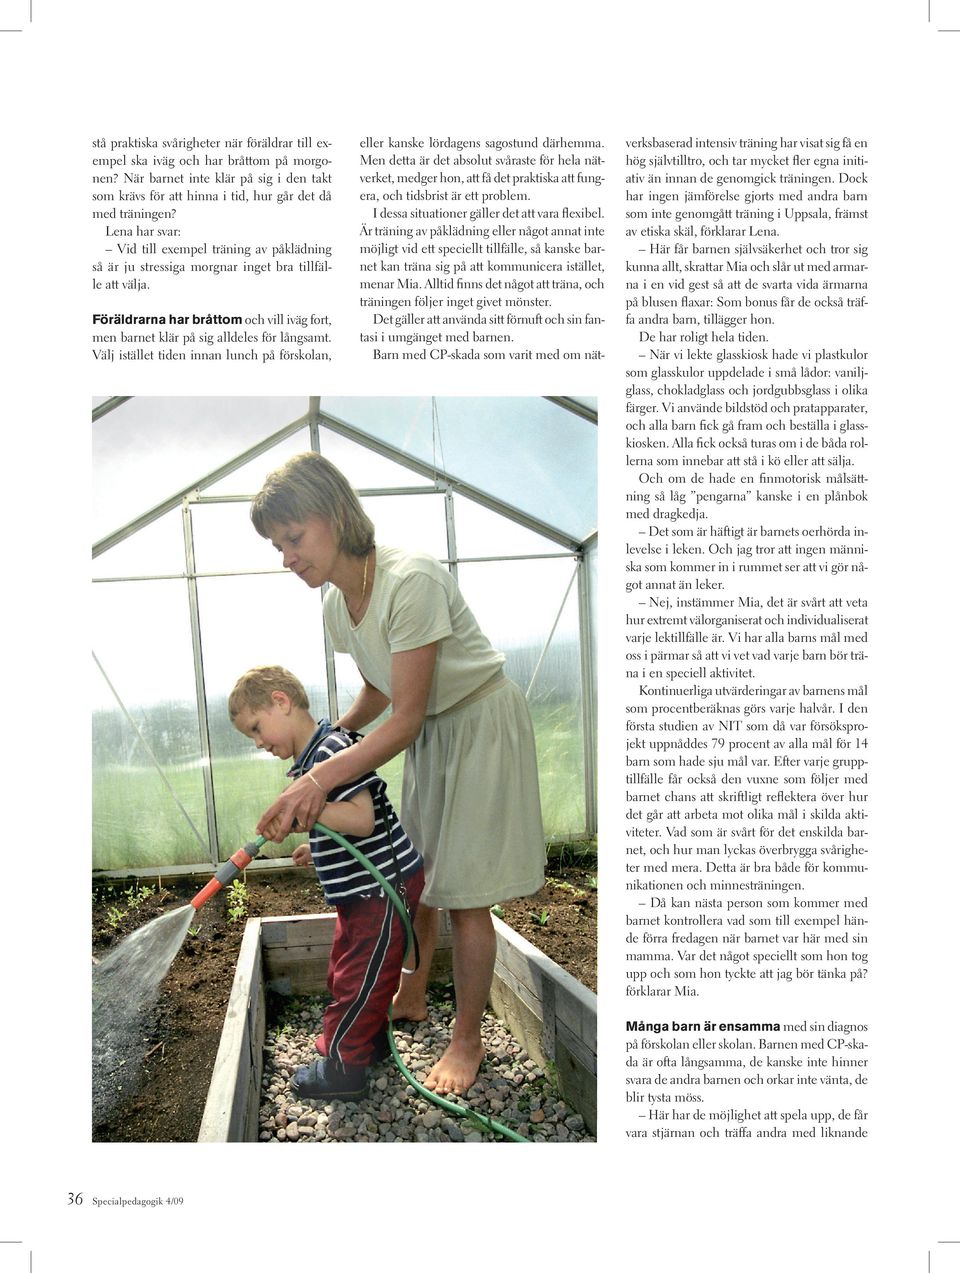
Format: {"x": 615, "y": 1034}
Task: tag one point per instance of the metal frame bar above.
{"x": 546, "y": 644}
{"x": 588, "y": 691}
{"x": 330, "y": 664}
{"x": 313, "y": 415}
{"x": 472, "y": 561}
{"x": 366, "y": 493}
{"x": 451, "y": 522}
{"x": 110, "y": 404}
{"x": 576, "y": 408}
{"x": 209, "y": 799}
{"x": 240, "y": 574}
{"x": 329, "y": 654}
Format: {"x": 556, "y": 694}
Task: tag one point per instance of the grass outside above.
{"x": 137, "y": 822}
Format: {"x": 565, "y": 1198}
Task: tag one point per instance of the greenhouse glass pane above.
{"x": 516, "y": 604}
{"x": 248, "y": 479}
{"x": 224, "y": 540}
{"x": 149, "y": 448}
{"x": 527, "y": 452}
{"x": 155, "y": 550}
{"x": 362, "y": 467}
{"x": 349, "y": 681}
{"x": 142, "y": 639}
{"x": 591, "y": 561}
{"x": 591, "y": 565}
{"x": 417, "y": 523}
{"x": 482, "y": 533}
{"x": 252, "y": 620}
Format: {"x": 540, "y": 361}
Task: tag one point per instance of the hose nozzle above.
{"x": 229, "y": 871}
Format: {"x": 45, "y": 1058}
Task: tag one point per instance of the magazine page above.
{"x": 589, "y": 370}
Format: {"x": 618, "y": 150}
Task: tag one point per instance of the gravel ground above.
{"x": 511, "y": 1089}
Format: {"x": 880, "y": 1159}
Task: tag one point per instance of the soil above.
{"x": 180, "y": 1048}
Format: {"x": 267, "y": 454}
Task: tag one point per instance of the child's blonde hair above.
{"x": 254, "y": 689}
{"x": 310, "y": 486}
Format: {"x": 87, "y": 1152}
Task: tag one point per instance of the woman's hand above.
{"x": 296, "y": 809}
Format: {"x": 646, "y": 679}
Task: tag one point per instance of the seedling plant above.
{"x": 133, "y": 897}
{"x": 237, "y": 901}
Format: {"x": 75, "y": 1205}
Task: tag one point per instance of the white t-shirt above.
{"x": 414, "y": 602}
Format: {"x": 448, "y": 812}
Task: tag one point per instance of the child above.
{"x": 270, "y": 706}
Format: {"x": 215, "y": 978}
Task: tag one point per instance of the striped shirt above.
{"x": 388, "y": 847}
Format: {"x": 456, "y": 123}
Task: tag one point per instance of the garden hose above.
{"x": 242, "y": 859}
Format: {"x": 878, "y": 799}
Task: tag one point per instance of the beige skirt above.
{"x": 471, "y": 800}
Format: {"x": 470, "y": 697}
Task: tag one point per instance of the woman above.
{"x": 470, "y": 796}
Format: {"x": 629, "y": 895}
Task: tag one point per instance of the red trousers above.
{"x": 364, "y": 973}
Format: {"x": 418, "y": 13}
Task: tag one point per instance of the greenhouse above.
{"x": 187, "y": 596}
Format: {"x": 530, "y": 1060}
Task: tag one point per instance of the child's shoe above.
{"x": 381, "y": 1047}
{"x": 322, "y": 1078}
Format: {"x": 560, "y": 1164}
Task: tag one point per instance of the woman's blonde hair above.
{"x": 310, "y": 486}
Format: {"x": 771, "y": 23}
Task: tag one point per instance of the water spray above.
{"x": 238, "y": 863}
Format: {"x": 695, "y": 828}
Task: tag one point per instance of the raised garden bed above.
{"x": 181, "y": 1041}
{"x": 549, "y": 1013}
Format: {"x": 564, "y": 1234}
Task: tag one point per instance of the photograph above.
{"x": 429, "y": 684}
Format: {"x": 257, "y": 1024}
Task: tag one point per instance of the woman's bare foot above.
{"x": 410, "y": 1001}
{"x": 409, "y": 1006}
{"x": 456, "y": 1071}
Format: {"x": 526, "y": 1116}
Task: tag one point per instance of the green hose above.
{"x": 461, "y": 1112}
